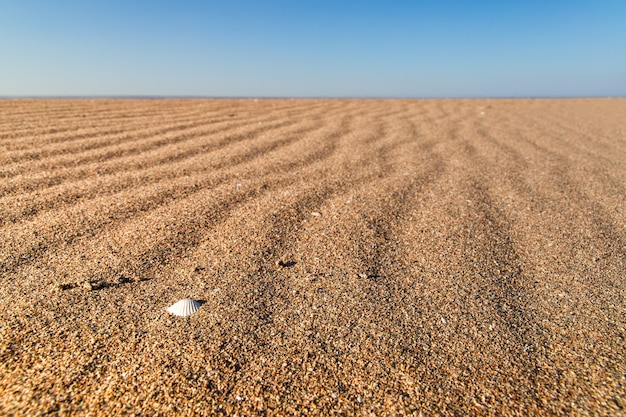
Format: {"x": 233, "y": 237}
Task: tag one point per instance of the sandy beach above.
{"x": 353, "y": 257}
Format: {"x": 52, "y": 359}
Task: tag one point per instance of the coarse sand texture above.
{"x": 355, "y": 257}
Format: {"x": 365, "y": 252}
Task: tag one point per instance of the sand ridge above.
{"x": 353, "y": 256}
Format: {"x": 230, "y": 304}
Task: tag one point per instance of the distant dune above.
{"x": 365, "y": 257}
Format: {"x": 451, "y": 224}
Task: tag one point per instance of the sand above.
{"x": 357, "y": 257}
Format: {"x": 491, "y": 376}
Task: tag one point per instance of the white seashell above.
{"x": 184, "y": 307}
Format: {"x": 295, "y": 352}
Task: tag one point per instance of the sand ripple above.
{"x": 464, "y": 257}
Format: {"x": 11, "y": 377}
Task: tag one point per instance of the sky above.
{"x": 309, "y": 48}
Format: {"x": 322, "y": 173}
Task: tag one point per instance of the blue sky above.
{"x": 296, "y": 48}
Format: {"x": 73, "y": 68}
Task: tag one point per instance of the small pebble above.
{"x": 87, "y": 285}
{"x": 316, "y": 214}
{"x": 122, "y": 279}
{"x": 363, "y": 275}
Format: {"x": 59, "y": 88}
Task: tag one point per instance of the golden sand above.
{"x": 364, "y": 257}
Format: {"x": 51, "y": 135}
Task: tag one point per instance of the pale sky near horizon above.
{"x": 290, "y": 48}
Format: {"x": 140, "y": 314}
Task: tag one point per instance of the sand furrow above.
{"x": 44, "y": 123}
{"x": 193, "y": 162}
{"x": 134, "y": 128}
{"x": 126, "y": 147}
{"x": 359, "y": 257}
{"x": 514, "y": 193}
{"x": 87, "y": 218}
{"x": 49, "y": 131}
{"x": 90, "y": 140}
{"x": 159, "y": 151}
{"x": 26, "y": 205}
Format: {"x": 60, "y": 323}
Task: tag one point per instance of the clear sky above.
{"x": 417, "y": 48}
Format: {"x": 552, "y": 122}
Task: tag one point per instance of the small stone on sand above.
{"x": 122, "y": 279}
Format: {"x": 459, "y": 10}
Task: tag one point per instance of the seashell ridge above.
{"x": 184, "y": 307}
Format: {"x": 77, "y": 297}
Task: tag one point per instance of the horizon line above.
{"x": 206, "y": 97}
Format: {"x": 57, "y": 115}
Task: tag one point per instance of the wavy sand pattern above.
{"x": 464, "y": 257}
